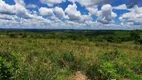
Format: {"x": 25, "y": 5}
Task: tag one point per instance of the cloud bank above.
{"x": 91, "y": 14}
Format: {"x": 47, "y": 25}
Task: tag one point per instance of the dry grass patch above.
{"x": 78, "y": 76}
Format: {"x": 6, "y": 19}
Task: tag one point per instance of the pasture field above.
{"x": 71, "y": 55}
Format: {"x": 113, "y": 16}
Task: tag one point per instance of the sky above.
{"x": 71, "y": 14}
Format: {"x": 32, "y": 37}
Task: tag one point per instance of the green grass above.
{"x": 58, "y": 55}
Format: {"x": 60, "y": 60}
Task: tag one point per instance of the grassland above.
{"x": 96, "y": 55}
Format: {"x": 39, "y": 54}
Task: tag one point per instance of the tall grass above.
{"x": 58, "y": 59}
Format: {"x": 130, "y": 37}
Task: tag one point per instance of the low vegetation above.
{"x": 78, "y": 55}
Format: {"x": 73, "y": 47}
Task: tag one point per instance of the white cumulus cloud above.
{"x": 46, "y": 11}
{"x": 106, "y": 15}
{"x": 121, "y": 7}
{"x": 75, "y": 15}
{"x": 51, "y": 2}
{"x": 134, "y": 17}
{"x": 59, "y": 12}
{"x": 91, "y": 5}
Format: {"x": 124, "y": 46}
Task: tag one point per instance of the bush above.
{"x": 8, "y": 66}
{"x": 110, "y": 56}
{"x": 108, "y": 71}
{"x": 111, "y": 65}
{"x": 135, "y": 35}
{"x": 139, "y": 41}
{"x": 5, "y": 73}
{"x": 74, "y": 63}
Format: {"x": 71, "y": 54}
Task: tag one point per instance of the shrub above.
{"x": 5, "y": 73}
{"x": 108, "y": 71}
{"x": 135, "y": 35}
{"x": 12, "y": 35}
{"x": 74, "y": 63}
{"x": 111, "y": 65}
{"x": 8, "y": 66}
{"x": 110, "y": 56}
{"x": 139, "y": 41}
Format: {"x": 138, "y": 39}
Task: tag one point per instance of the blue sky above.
{"x": 71, "y": 14}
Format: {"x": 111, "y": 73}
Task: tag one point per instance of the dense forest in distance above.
{"x": 79, "y": 35}
{"x": 70, "y": 55}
